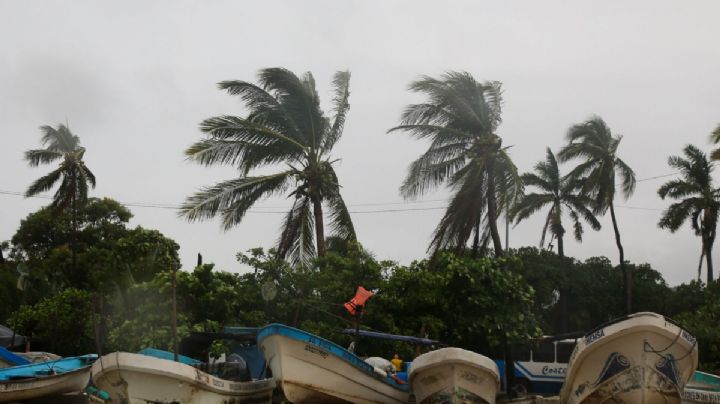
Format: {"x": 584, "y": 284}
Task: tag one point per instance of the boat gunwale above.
{"x": 331, "y": 347}
{"x": 43, "y": 377}
{"x": 467, "y": 362}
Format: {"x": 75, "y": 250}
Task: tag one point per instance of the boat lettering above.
{"x": 688, "y": 337}
{"x": 700, "y": 396}
{"x": 316, "y": 351}
{"x": 218, "y": 383}
{"x": 554, "y": 371}
{"x": 595, "y": 336}
{"x": 246, "y": 386}
{"x": 321, "y": 343}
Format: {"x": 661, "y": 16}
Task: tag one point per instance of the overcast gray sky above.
{"x": 135, "y": 78}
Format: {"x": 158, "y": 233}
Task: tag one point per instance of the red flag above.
{"x": 360, "y": 298}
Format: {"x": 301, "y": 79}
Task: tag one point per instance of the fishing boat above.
{"x": 641, "y": 358}
{"x": 46, "y": 379}
{"x": 152, "y": 377}
{"x": 702, "y": 388}
{"x": 454, "y": 375}
{"x": 308, "y": 368}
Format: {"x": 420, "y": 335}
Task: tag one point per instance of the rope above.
{"x": 647, "y": 345}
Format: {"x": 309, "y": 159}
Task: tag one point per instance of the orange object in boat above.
{"x": 359, "y": 300}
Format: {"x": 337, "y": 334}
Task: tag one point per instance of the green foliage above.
{"x": 61, "y": 323}
{"x": 109, "y": 255}
{"x": 702, "y": 321}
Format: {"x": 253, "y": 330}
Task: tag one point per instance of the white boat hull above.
{"x": 45, "y": 386}
{"x": 132, "y": 378}
{"x": 307, "y": 373}
{"x": 454, "y": 375}
{"x": 643, "y": 359}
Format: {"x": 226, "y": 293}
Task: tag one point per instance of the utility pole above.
{"x": 174, "y": 312}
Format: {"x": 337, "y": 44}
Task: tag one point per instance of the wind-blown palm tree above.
{"x": 698, "y": 199}
{"x": 460, "y": 119}
{"x": 560, "y": 193}
{"x": 284, "y": 126}
{"x": 72, "y": 173}
{"x": 593, "y": 142}
{"x": 715, "y": 138}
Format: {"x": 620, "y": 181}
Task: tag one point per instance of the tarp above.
{"x": 391, "y": 337}
{"x": 11, "y": 359}
{"x": 6, "y": 338}
{"x": 160, "y": 354}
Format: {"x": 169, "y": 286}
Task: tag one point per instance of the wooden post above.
{"x": 358, "y": 313}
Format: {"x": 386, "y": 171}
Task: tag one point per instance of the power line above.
{"x": 283, "y": 209}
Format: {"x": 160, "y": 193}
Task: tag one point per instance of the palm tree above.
{"x": 284, "y": 126}
{"x": 73, "y": 174}
{"x": 715, "y": 138}
{"x": 560, "y": 193}
{"x": 698, "y": 199}
{"x": 460, "y": 119}
{"x": 593, "y": 142}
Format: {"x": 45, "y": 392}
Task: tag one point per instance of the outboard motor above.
{"x": 235, "y": 369}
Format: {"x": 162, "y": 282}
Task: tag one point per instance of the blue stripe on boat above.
{"x": 328, "y": 346}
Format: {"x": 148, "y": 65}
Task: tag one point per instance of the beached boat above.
{"x": 702, "y": 388}
{"x": 454, "y": 375}
{"x": 641, "y": 358}
{"x": 311, "y": 369}
{"x": 47, "y": 379}
{"x": 141, "y": 378}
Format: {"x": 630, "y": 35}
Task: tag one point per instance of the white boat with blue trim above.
{"x": 643, "y": 358}
{"x": 310, "y": 369}
{"x": 152, "y": 378}
{"x": 454, "y": 375}
{"x": 45, "y": 380}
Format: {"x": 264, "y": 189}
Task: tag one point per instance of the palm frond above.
{"x": 36, "y": 157}
{"x": 44, "y": 183}
{"x": 298, "y": 98}
{"x": 232, "y": 199}
{"x": 341, "y": 105}
{"x": 341, "y": 223}
{"x": 297, "y": 240}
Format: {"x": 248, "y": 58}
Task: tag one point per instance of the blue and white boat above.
{"x": 152, "y": 376}
{"x": 702, "y": 388}
{"x": 46, "y": 379}
{"x": 311, "y": 369}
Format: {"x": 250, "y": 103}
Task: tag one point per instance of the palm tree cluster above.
{"x": 286, "y": 128}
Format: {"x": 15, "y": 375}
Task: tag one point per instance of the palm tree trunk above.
{"x": 476, "y": 239}
{"x": 627, "y": 276}
{"x": 492, "y": 214}
{"x": 708, "y": 257}
{"x": 561, "y": 249}
{"x": 73, "y": 243}
{"x": 563, "y": 289}
{"x": 702, "y": 257}
{"x": 319, "y": 226}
